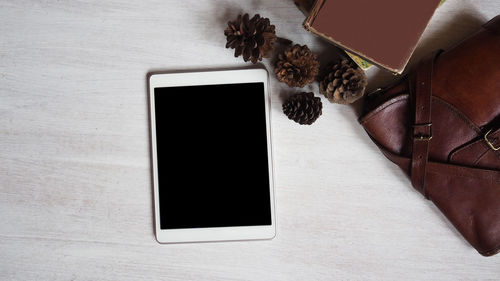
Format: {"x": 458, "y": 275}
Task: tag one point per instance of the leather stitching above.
{"x": 403, "y": 97}
{"x": 490, "y": 176}
{"x": 453, "y": 109}
{"x": 491, "y": 252}
{"x": 467, "y": 147}
{"x": 482, "y": 154}
{"x": 491, "y": 179}
{"x": 383, "y": 106}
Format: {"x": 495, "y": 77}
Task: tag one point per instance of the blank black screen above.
{"x": 212, "y": 156}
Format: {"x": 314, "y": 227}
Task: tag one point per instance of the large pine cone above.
{"x": 344, "y": 84}
{"x": 253, "y": 38}
{"x": 297, "y": 66}
{"x": 303, "y": 108}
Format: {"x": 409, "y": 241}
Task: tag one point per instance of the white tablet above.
{"x": 212, "y": 156}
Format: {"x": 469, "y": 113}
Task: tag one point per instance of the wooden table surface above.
{"x": 75, "y": 172}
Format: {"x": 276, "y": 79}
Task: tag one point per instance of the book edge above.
{"x": 308, "y": 22}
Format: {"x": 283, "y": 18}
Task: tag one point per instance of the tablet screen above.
{"x": 212, "y": 156}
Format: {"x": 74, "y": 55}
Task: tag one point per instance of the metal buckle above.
{"x": 422, "y": 137}
{"x": 488, "y": 141}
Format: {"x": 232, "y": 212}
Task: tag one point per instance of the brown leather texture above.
{"x": 441, "y": 125}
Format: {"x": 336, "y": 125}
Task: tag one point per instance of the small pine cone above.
{"x": 303, "y": 108}
{"x": 297, "y": 66}
{"x": 344, "y": 84}
{"x": 253, "y": 38}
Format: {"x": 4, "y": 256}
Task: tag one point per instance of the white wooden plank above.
{"x": 75, "y": 179}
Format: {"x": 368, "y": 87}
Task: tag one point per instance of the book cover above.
{"x": 383, "y": 32}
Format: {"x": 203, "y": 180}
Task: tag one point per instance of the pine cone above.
{"x": 253, "y": 38}
{"x": 344, "y": 84}
{"x": 297, "y": 66}
{"x": 303, "y": 108}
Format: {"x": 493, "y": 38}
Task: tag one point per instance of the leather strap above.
{"x": 422, "y": 125}
{"x": 473, "y": 152}
{"x": 446, "y": 168}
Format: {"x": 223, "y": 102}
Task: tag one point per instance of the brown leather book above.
{"x": 384, "y": 32}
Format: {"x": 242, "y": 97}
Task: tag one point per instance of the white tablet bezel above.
{"x": 211, "y": 233}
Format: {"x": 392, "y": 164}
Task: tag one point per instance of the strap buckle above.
{"x": 488, "y": 142}
{"x": 420, "y": 136}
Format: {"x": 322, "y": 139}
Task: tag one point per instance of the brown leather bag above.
{"x": 441, "y": 125}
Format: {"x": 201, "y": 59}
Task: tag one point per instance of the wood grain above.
{"x": 75, "y": 173}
